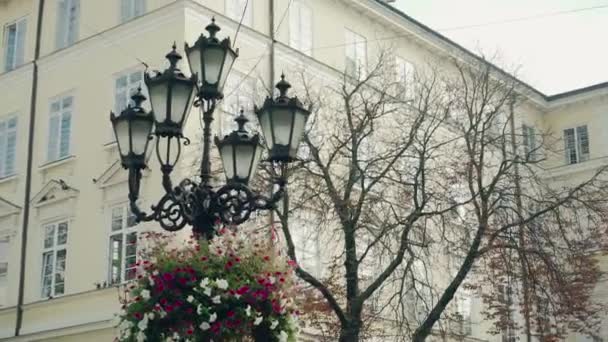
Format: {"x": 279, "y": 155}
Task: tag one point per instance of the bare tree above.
{"x": 412, "y": 186}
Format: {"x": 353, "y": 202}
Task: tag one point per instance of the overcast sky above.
{"x": 553, "y": 52}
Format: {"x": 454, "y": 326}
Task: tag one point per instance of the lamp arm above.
{"x": 262, "y": 202}
{"x": 134, "y": 184}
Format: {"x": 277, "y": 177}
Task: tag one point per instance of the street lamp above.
{"x": 172, "y": 94}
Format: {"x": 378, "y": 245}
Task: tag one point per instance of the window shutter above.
{"x": 20, "y": 43}
{"x": 11, "y": 146}
{"x": 73, "y": 21}
{"x": 305, "y": 29}
{"x": 53, "y": 137}
{"x": 3, "y": 139}
{"x": 140, "y": 8}
{"x": 62, "y": 24}
{"x": 569, "y": 146}
{"x": 125, "y": 10}
{"x": 294, "y": 25}
{"x": 583, "y": 142}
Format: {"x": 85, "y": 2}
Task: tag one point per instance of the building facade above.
{"x": 66, "y": 235}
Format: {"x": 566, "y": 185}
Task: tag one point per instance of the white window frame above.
{"x": 67, "y": 29}
{"x": 404, "y": 76}
{"x": 4, "y": 266}
{"x": 573, "y": 154}
{"x": 234, "y": 10}
{"x": 18, "y": 57}
{"x": 53, "y": 249}
{"x": 300, "y": 21}
{"x": 54, "y": 153}
{"x": 129, "y": 89}
{"x": 133, "y": 8}
{"x": 529, "y": 142}
{"x": 236, "y": 99}
{"x": 127, "y": 228}
{"x": 355, "y": 52}
{"x": 5, "y": 132}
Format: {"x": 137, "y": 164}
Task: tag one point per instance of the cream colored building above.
{"x": 65, "y": 64}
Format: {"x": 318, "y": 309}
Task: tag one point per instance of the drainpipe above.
{"x": 272, "y": 43}
{"x": 28, "y": 177}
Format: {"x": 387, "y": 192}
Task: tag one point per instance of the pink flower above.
{"x": 229, "y": 265}
{"x": 244, "y": 289}
{"x": 138, "y": 315}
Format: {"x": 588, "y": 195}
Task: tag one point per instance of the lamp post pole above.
{"x": 172, "y": 94}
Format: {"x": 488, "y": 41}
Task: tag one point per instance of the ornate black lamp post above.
{"x": 172, "y": 95}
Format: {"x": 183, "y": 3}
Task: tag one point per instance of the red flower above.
{"x": 168, "y": 276}
{"x": 163, "y": 301}
{"x": 204, "y": 258}
{"x": 183, "y": 281}
{"x": 230, "y": 314}
{"x": 168, "y": 308}
{"x": 282, "y": 280}
{"x": 229, "y": 264}
{"x": 138, "y": 315}
{"x": 244, "y": 289}
{"x": 190, "y": 331}
{"x": 266, "y": 258}
{"x": 237, "y": 259}
{"x": 215, "y": 327}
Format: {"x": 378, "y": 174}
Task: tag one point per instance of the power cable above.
{"x": 238, "y": 28}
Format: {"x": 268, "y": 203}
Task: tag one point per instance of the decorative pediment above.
{"x": 8, "y": 208}
{"x": 54, "y": 191}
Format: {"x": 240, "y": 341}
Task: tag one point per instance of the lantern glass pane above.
{"x": 168, "y": 148}
{"x": 282, "y": 120}
{"x": 158, "y": 99}
{"x": 227, "y": 160}
{"x": 213, "y": 59}
{"x": 298, "y": 130}
{"x": 121, "y": 129}
{"x": 194, "y": 58}
{"x": 244, "y": 158}
{"x": 180, "y": 102}
{"x": 140, "y": 130}
{"x": 256, "y": 160}
{"x": 228, "y": 62}
{"x": 264, "y": 119}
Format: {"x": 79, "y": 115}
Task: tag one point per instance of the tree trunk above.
{"x": 350, "y": 332}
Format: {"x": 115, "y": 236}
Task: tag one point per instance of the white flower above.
{"x": 151, "y": 316}
{"x": 151, "y": 281}
{"x": 258, "y": 320}
{"x": 175, "y": 336}
{"x": 207, "y": 291}
{"x": 116, "y": 321}
{"x": 216, "y": 300}
{"x": 163, "y": 314}
{"x": 190, "y": 299}
{"x": 145, "y": 294}
{"x": 199, "y": 309}
{"x": 212, "y": 317}
{"x": 141, "y": 337}
{"x": 155, "y": 273}
{"x": 205, "y": 326}
{"x": 125, "y": 325}
{"x": 271, "y": 280}
{"x": 143, "y": 324}
{"x": 283, "y": 336}
{"x": 248, "y": 311}
{"x": 221, "y": 283}
{"x": 204, "y": 282}
{"x": 273, "y": 324}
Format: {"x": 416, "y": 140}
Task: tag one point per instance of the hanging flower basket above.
{"x": 234, "y": 288}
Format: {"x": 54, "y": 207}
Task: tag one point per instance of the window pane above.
{"x": 115, "y": 258}
{"x": 583, "y": 142}
{"x": 53, "y": 138}
{"x": 62, "y": 233}
{"x": 569, "y": 146}
{"x": 131, "y": 219}
{"x": 64, "y": 147}
{"x": 130, "y": 256}
{"x": 10, "y": 32}
{"x": 117, "y": 218}
{"x": 67, "y": 102}
{"x": 49, "y": 236}
{"x": 47, "y": 274}
{"x": 60, "y": 272}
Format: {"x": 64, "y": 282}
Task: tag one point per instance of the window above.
{"x": 464, "y": 304}
{"x": 240, "y": 92}
{"x": 60, "y": 126}
{"x": 68, "y": 13}
{"x": 14, "y": 44}
{"x": 300, "y": 28}
{"x": 53, "y": 259}
{"x": 130, "y": 9}
{"x": 404, "y": 73}
{"x": 235, "y": 8}
{"x": 529, "y": 142}
{"x": 123, "y": 245}
{"x": 576, "y": 143}
{"x": 4, "y": 247}
{"x": 125, "y": 86}
{"x": 356, "y": 55}
{"x": 8, "y": 146}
